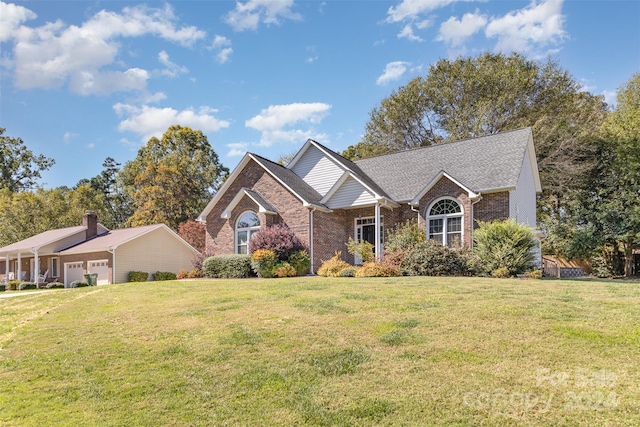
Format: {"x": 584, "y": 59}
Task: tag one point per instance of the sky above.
{"x": 81, "y": 81}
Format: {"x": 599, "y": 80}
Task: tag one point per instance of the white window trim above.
{"x": 249, "y": 230}
{"x": 356, "y": 226}
{"x": 57, "y": 268}
{"x": 444, "y": 218}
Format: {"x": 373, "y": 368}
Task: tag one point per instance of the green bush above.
{"x": 301, "y": 262}
{"x": 227, "y": 266}
{"x": 55, "y": 285}
{"x": 263, "y": 261}
{"x": 504, "y": 244}
{"x": 376, "y": 269}
{"x": 363, "y": 249}
{"x": 27, "y": 285}
{"x": 137, "y": 276}
{"x": 348, "y": 272}
{"x": 533, "y": 274}
{"x": 405, "y": 236}
{"x": 164, "y": 275}
{"x": 78, "y": 284}
{"x": 333, "y": 266}
{"x": 501, "y": 273}
{"x": 431, "y": 258}
{"x": 3, "y": 287}
{"x": 13, "y": 284}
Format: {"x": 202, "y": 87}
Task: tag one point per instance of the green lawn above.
{"x": 319, "y": 351}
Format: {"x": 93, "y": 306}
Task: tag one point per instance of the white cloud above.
{"x": 91, "y": 145}
{"x": 237, "y": 149}
{"x": 149, "y": 121}
{"x": 249, "y": 15}
{"x": 68, "y": 136}
{"x": 222, "y": 45}
{"x": 173, "y": 70}
{"x": 273, "y": 122}
{"x": 393, "y": 71}
{"x": 11, "y": 16}
{"x": 407, "y": 33}
{"x": 610, "y": 96}
{"x": 454, "y": 32}
{"x": 530, "y": 28}
{"x": 412, "y": 9}
{"x": 55, "y": 54}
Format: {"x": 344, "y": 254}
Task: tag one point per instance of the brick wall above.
{"x": 221, "y": 232}
{"x": 492, "y": 206}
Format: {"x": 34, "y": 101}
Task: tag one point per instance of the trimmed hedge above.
{"x": 78, "y": 284}
{"x": 230, "y": 266}
{"x": 164, "y": 275}
{"x": 137, "y": 276}
{"x": 55, "y": 285}
{"x": 27, "y": 285}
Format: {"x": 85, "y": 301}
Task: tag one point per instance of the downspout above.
{"x": 113, "y": 264}
{"x": 379, "y": 254}
{"x": 416, "y": 211}
{"x": 478, "y": 198}
{"x": 311, "y": 211}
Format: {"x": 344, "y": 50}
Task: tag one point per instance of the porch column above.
{"x": 36, "y": 268}
{"x": 6, "y": 268}
{"x": 378, "y": 246}
{"x": 19, "y": 272}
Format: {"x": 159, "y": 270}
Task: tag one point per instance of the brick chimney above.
{"x": 90, "y": 220}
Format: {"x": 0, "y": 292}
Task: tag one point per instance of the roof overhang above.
{"x": 416, "y": 200}
{"x": 263, "y": 204}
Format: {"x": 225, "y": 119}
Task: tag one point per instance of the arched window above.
{"x": 247, "y": 224}
{"x": 444, "y": 221}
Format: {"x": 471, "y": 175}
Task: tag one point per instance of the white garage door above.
{"x": 102, "y": 268}
{"x": 73, "y": 271}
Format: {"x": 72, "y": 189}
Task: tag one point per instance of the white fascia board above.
{"x": 299, "y": 154}
{"x": 416, "y": 200}
{"x": 531, "y": 152}
{"x": 236, "y": 172}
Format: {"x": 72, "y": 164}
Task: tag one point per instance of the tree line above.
{"x": 588, "y": 156}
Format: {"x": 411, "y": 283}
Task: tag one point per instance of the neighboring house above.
{"x": 326, "y": 199}
{"x": 67, "y": 254}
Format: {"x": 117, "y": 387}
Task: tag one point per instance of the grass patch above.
{"x": 407, "y": 351}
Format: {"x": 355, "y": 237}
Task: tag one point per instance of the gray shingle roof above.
{"x": 259, "y": 199}
{"x": 42, "y": 239}
{"x": 290, "y": 179}
{"x": 481, "y": 164}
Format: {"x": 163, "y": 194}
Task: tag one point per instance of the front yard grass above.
{"x": 324, "y": 352}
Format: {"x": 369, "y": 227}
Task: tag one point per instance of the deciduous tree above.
{"x": 19, "y": 168}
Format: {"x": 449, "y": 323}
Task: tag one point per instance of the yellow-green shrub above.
{"x": 333, "y": 266}
{"x": 263, "y": 262}
{"x": 375, "y": 269}
{"x": 284, "y": 269}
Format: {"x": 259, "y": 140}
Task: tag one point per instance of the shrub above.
{"x": 234, "y": 266}
{"x": 263, "y": 261}
{"x": 194, "y": 274}
{"x": 27, "y": 285}
{"x": 300, "y": 261}
{"x": 3, "y": 287}
{"x": 348, "y": 272}
{"x": 278, "y": 238}
{"x": 55, "y": 285}
{"x": 363, "y": 249}
{"x": 182, "y": 274}
{"x": 333, "y": 266}
{"x": 501, "y": 273}
{"x": 197, "y": 261}
{"x": 504, "y": 244}
{"x": 284, "y": 269}
{"x": 405, "y": 236}
{"x": 78, "y": 284}
{"x": 137, "y": 276}
{"x": 533, "y": 274}
{"x": 376, "y": 269}
{"x": 13, "y": 284}
{"x": 164, "y": 275}
{"x": 431, "y": 258}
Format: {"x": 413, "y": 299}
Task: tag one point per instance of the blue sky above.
{"x": 83, "y": 80}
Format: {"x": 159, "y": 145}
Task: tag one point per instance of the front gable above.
{"x": 316, "y": 168}
{"x": 349, "y": 193}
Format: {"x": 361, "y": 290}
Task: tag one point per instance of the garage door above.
{"x": 73, "y": 271}
{"x": 102, "y": 268}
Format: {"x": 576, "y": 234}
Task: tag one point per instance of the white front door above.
{"x": 73, "y": 271}
{"x": 102, "y": 268}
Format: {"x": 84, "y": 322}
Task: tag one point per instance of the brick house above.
{"x": 325, "y": 198}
